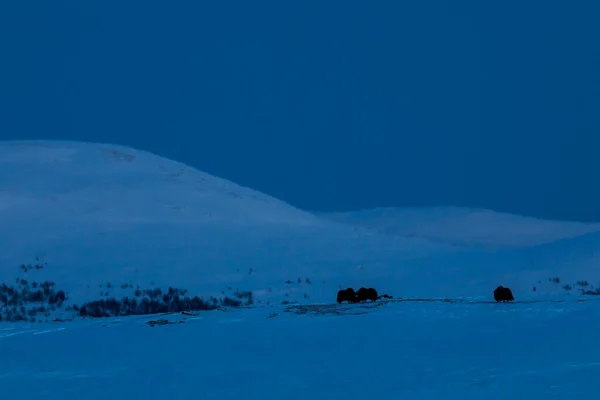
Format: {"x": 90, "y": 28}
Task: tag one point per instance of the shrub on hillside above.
{"x": 244, "y": 296}
{"x": 155, "y": 301}
{"x": 594, "y": 292}
{"x": 15, "y": 300}
{"x": 26, "y": 300}
{"x": 124, "y": 307}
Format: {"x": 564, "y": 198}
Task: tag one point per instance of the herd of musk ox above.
{"x": 360, "y": 296}
{"x": 501, "y": 294}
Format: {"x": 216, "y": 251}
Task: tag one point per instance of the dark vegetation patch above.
{"x": 32, "y": 301}
{"x": 583, "y": 286}
{"x": 298, "y": 281}
{"x": 26, "y": 301}
{"x": 29, "y": 267}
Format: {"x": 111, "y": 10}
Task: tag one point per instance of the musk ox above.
{"x": 348, "y": 295}
{"x": 503, "y": 294}
{"x": 364, "y": 294}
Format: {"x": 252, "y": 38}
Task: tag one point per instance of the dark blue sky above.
{"x": 329, "y": 105}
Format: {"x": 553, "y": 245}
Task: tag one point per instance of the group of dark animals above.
{"x": 363, "y": 294}
{"x": 360, "y": 296}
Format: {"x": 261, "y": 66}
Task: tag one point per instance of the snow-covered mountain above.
{"x": 103, "y": 220}
{"x": 463, "y": 226}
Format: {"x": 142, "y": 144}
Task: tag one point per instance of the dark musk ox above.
{"x": 365, "y": 294}
{"x": 348, "y": 295}
{"x": 503, "y": 294}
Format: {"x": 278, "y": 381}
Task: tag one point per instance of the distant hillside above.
{"x": 463, "y": 226}
{"x": 88, "y": 222}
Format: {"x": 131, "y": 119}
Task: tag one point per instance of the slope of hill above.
{"x": 539, "y": 272}
{"x": 463, "y": 226}
{"x": 575, "y": 261}
{"x": 102, "y": 221}
{"x": 95, "y": 214}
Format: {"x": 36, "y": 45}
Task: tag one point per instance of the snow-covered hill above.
{"x": 96, "y": 214}
{"x": 463, "y": 226}
{"x": 103, "y": 221}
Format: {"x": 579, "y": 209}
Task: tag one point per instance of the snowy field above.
{"x": 394, "y": 351}
{"x": 103, "y": 222}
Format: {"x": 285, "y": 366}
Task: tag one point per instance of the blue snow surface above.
{"x": 90, "y": 215}
{"x": 402, "y": 350}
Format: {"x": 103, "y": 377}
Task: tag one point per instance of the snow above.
{"x": 464, "y": 226}
{"x": 96, "y": 213}
{"x": 102, "y": 213}
{"x": 400, "y": 350}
